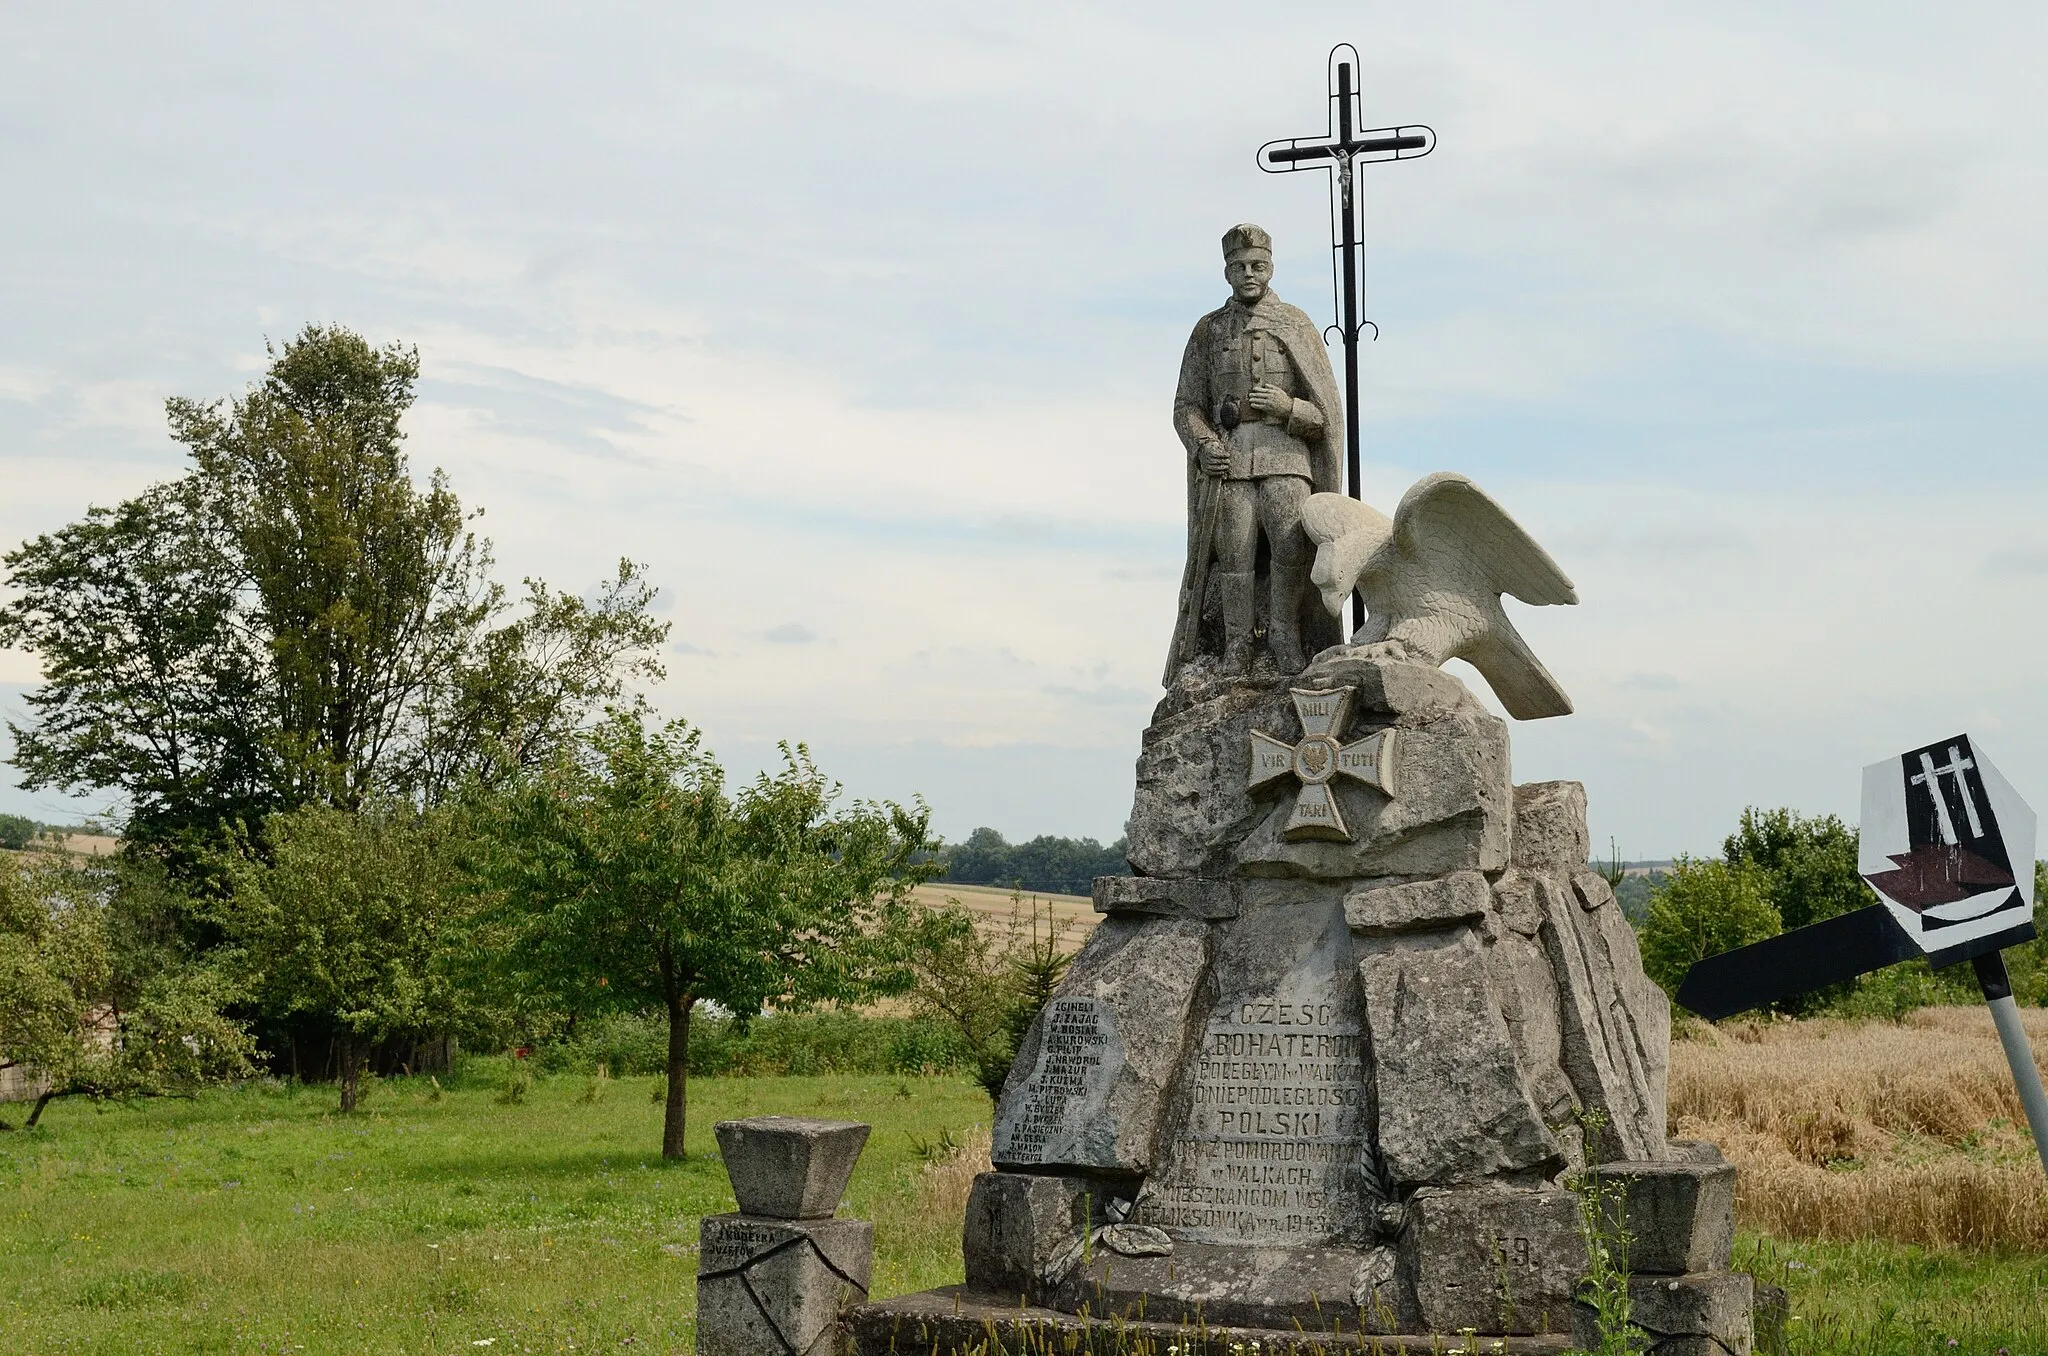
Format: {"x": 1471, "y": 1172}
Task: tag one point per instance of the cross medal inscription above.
{"x": 1318, "y": 760}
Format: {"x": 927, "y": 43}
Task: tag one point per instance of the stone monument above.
{"x": 1329, "y": 1068}
{"x": 773, "y": 1278}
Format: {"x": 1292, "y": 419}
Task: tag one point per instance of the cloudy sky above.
{"x": 859, "y": 323}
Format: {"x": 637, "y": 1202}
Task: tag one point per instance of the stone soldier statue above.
{"x": 1258, "y": 412}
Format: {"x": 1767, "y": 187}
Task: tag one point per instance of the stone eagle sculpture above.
{"x": 1432, "y": 577}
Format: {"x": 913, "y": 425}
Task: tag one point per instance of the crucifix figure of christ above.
{"x": 1340, "y": 151}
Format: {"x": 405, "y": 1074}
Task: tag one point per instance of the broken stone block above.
{"x": 789, "y": 1167}
{"x": 1452, "y": 1104}
{"x": 774, "y": 1287}
{"x": 1495, "y": 1259}
{"x": 1090, "y": 1079}
{"x": 1680, "y": 1216}
{"x": 1017, "y": 1225}
{"x": 1419, "y": 905}
{"x": 1702, "y": 1314}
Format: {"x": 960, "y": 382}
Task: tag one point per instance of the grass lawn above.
{"x": 258, "y": 1220}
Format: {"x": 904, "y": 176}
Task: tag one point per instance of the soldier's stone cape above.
{"x": 1331, "y": 1058}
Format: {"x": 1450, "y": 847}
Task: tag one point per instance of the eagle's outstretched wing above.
{"x": 1448, "y": 523}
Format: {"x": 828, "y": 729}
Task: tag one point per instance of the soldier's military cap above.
{"x": 1246, "y": 236}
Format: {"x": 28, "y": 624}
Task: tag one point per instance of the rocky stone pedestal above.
{"x": 1342, "y": 1044}
{"x": 773, "y": 1279}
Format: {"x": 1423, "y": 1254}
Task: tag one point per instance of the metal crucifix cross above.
{"x": 1340, "y": 150}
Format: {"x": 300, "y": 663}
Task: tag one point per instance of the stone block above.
{"x": 789, "y": 1167}
{"x": 1550, "y": 826}
{"x": 1148, "y": 895}
{"x": 1090, "y": 1080}
{"x": 1514, "y": 899}
{"x": 1452, "y": 1103}
{"x": 1612, "y": 1056}
{"x": 774, "y": 1287}
{"x": 1702, "y": 1314}
{"x": 1493, "y": 1259}
{"x": 1194, "y": 815}
{"x": 1019, "y": 1222}
{"x": 1680, "y": 1216}
{"x": 1419, "y": 905}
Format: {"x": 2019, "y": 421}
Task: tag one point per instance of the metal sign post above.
{"x": 1948, "y": 847}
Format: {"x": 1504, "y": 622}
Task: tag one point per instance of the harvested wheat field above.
{"x": 1844, "y": 1130}
{"x": 992, "y": 906}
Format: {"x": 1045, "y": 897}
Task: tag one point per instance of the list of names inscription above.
{"x": 1078, "y": 1055}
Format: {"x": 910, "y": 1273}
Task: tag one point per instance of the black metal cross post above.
{"x": 1339, "y": 150}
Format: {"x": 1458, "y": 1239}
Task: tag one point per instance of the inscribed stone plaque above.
{"x": 1273, "y": 1103}
{"x": 1079, "y": 1057}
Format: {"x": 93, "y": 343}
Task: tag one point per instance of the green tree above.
{"x": 297, "y": 621}
{"x": 95, "y": 998}
{"x": 1809, "y": 863}
{"x": 18, "y": 831}
{"x": 152, "y": 682}
{"x": 621, "y": 876}
{"x": 1703, "y": 909}
{"x": 1055, "y": 865}
{"x": 987, "y": 983}
{"x": 351, "y": 917}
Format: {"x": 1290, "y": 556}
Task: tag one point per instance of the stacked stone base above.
{"x": 957, "y": 1319}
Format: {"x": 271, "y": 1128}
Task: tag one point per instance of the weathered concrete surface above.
{"x": 1157, "y": 898}
{"x": 1498, "y": 1260}
{"x": 1550, "y": 826}
{"x": 1610, "y": 1052}
{"x": 1417, "y": 906}
{"x": 1091, "y": 1077}
{"x": 1452, "y": 1103}
{"x": 774, "y": 1287}
{"x": 1317, "y": 1287}
{"x": 1680, "y": 1216}
{"x": 959, "y": 1319}
{"x": 1703, "y": 1314}
{"x": 1519, "y": 975}
{"x": 1193, "y": 815}
{"x": 790, "y": 1167}
{"x": 1018, "y": 1223}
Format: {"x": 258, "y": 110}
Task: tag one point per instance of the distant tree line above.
{"x": 1051, "y": 865}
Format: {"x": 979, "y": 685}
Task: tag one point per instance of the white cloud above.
{"x": 861, "y": 328}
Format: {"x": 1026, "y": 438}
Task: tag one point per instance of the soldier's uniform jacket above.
{"x": 1235, "y": 347}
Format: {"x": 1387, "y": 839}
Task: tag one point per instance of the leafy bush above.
{"x": 17, "y": 831}
{"x": 1705, "y": 908}
{"x": 787, "y": 1043}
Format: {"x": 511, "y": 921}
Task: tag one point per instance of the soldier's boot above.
{"x": 1283, "y": 619}
{"x": 1234, "y": 592}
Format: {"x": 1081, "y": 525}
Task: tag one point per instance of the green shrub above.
{"x": 802, "y": 1044}
{"x": 1705, "y": 908}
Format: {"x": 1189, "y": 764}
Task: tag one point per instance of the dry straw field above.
{"x": 1868, "y": 1129}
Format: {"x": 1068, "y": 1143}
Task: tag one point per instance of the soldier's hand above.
{"x": 1270, "y": 401}
{"x": 1215, "y": 459}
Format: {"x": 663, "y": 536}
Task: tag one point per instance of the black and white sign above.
{"x": 1948, "y": 846}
